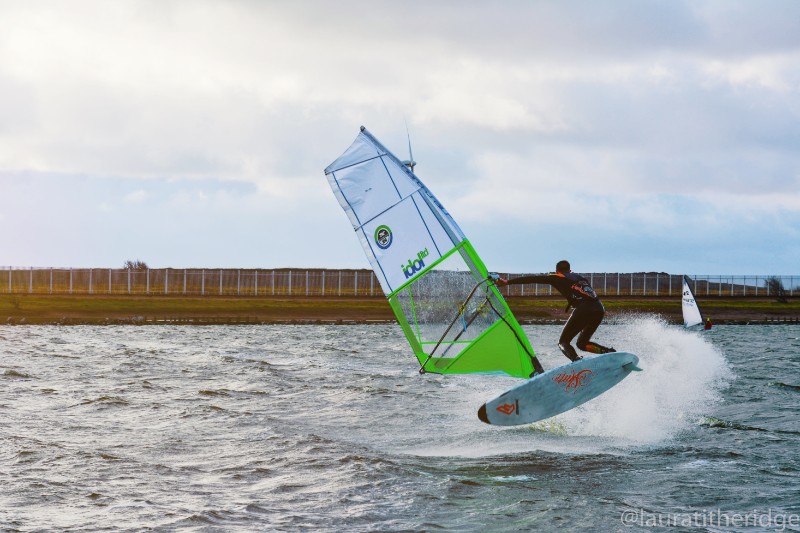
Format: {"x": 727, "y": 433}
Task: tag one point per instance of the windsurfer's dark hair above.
{"x": 562, "y": 266}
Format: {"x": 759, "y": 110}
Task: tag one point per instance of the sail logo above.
{"x": 573, "y": 381}
{"x": 383, "y": 237}
{"x": 415, "y": 265}
{"x": 509, "y": 408}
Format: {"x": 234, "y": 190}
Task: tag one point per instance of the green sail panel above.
{"x": 453, "y": 316}
{"x": 457, "y": 322}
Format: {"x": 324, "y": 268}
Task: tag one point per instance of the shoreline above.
{"x": 26, "y": 309}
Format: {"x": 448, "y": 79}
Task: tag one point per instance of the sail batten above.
{"x": 436, "y": 284}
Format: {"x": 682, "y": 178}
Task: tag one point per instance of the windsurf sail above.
{"x": 691, "y": 313}
{"x": 445, "y": 300}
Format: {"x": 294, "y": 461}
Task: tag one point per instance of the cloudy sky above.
{"x": 624, "y": 136}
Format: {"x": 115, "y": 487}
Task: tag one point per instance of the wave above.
{"x": 785, "y": 386}
{"x": 10, "y": 373}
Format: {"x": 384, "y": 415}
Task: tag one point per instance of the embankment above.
{"x": 36, "y": 309}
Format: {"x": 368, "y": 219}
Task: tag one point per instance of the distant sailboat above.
{"x": 691, "y": 313}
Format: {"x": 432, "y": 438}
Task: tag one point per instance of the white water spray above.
{"x": 683, "y": 374}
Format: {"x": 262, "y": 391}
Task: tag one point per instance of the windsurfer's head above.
{"x": 563, "y": 266}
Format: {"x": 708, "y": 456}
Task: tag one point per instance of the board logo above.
{"x": 415, "y": 265}
{"x": 509, "y": 408}
{"x": 383, "y": 237}
{"x": 573, "y": 381}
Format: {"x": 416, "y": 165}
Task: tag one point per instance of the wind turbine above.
{"x": 410, "y": 163}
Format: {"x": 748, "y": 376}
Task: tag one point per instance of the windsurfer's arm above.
{"x": 546, "y": 279}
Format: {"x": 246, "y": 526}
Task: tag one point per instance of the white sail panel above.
{"x": 691, "y": 313}
{"x": 370, "y": 189}
{"x": 401, "y": 226}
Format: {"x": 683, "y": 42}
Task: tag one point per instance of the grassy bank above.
{"x": 35, "y": 309}
{"x": 24, "y": 309}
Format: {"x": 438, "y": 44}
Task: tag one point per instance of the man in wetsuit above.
{"x": 587, "y": 314}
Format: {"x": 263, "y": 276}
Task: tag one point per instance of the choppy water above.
{"x": 332, "y": 428}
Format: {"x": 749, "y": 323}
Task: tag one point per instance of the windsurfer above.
{"x": 586, "y": 316}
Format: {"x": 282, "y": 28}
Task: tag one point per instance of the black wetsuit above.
{"x": 585, "y": 318}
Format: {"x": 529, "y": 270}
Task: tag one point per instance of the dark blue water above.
{"x": 331, "y": 428}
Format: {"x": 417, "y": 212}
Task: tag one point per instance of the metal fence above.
{"x": 663, "y": 284}
{"x": 190, "y": 281}
{"x": 322, "y": 282}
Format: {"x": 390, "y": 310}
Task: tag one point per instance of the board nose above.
{"x": 482, "y": 414}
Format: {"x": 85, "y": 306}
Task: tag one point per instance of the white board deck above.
{"x": 558, "y": 390}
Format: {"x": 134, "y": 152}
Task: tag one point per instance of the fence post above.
{"x": 355, "y": 284}
{"x": 644, "y": 284}
{"x": 617, "y": 283}
{"x": 658, "y": 287}
{"x": 166, "y": 281}
{"x": 90, "y": 281}
{"x": 306, "y": 282}
{"x": 273, "y": 283}
{"x": 9, "y": 280}
{"x": 109, "y": 281}
{"x": 323, "y": 283}
{"x": 129, "y": 280}
{"x": 147, "y": 281}
{"x": 256, "y": 282}
{"x": 372, "y": 284}
{"x": 51, "y": 280}
{"x": 70, "y": 281}
{"x": 30, "y": 287}
{"x": 202, "y": 282}
{"x": 239, "y": 282}
{"x": 631, "y": 294}
{"x": 340, "y": 282}
{"x": 290, "y": 283}
{"x": 605, "y": 283}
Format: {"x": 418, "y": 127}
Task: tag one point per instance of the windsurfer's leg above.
{"x": 593, "y": 347}
{"x": 573, "y": 326}
{"x": 593, "y": 319}
{"x": 569, "y": 351}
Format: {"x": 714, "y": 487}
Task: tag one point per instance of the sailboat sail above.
{"x": 453, "y": 316}
{"x": 691, "y": 313}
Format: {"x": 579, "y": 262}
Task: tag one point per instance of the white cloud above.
{"x": 525, "y": 111}
{"x": 135, "y": 197}
{"x": 778, "y": 73}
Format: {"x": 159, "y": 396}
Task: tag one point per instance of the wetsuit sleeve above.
{"x": 546, "y": 279}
